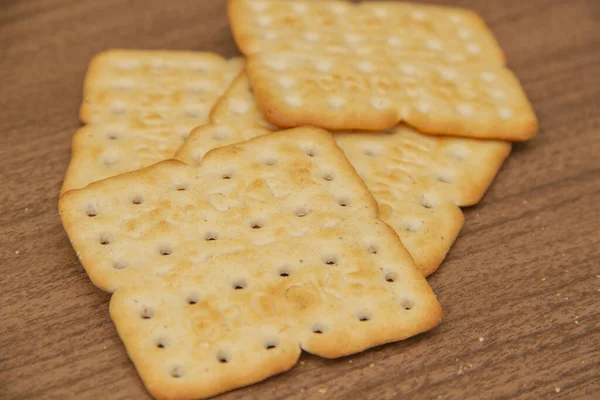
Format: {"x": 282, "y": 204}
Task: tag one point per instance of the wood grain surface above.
{"x": 520, "y": 288}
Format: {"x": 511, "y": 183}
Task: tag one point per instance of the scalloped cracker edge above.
{"x": 432, "y": 33}
{"x": 140, "y": 106}
{"x": 418, "y": 180}
{"x": 224, "y": 272}
{"x": 482, "y": 101}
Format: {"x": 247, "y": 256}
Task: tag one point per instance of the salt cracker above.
{"x": 418, "y": 180}
{"x": 223, "y": 272}
{"x": 398, "y": 29}
{"x": 140, "y": 106}
{"x": 375, "y": 93}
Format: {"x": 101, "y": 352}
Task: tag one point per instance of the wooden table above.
{"x": 520, "y": 288}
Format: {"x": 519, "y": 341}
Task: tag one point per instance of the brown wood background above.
{"x": 524, "y": 274}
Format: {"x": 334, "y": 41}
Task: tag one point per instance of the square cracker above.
{"x": 418, "y": 180}
{"x": 140, "y": 106}
{"x": 433, "y": 33}
{"x": 223, "y": 272}
{"x": 375, "y": 93}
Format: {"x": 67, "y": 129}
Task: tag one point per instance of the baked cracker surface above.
{"x": 418, "y": 180}
{"x": 222, "y": 273}
{"x": 139, "y": 106}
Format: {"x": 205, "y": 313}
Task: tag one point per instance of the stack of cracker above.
{"x": 317, "y": 190}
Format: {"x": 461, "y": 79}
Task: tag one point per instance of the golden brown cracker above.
{"x": 224, "y": 271}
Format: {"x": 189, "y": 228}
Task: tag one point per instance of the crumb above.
{"x": 477, "y": 215}
{"x": 301, "y": 362}
{"x": 371, "y": 365}
{"x": 16, "y": 251}
{"x": 481, "y": 339}
{"x": 557, "y": 390}
{"x": 576, "y": 322}
{"x": 558, "y": 294}
{"x": 566, "y": 298}
{"x": 26, "y": 209}
{"x": 104, "y": 347}
{"x": 460, "y": 370}
{"x": 301, "y": 390}
{"x": 323, "y": 390}
{"x": 543, "y": 279}
{"x": 350, "y": 361}
{"x": 524, "y": 201}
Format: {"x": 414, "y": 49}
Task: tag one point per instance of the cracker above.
{"x": 238, "y": 106}
{"x": 224, "y": 271}
{"x": 140, "y": 106}
{"x": 418, "y": 180}
{"x": 411, "y": 30}
{"x": 376, "y": 93}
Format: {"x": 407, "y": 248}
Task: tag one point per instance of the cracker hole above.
{"x": 319, "y": 329}
{"x": 428, "y": 201}
{"x": 284, "y": 272}
{"x": 364, "y": 315}
{"x": 165, "y": 250}
{"x": 112, "y": 136}
{"x": 270, "y": 161}
{"x": 210, "y": 236}
{"x": 91, "y": 211}
{"x": 238, "y": 107}
{"x": 110, "y": 159}
{"x": 221, "y": 133}
{"x": 336, "y": 101}
{"x": 147, "y": 313}
{"x": 192, "y": 298}
{"x": 372, "y": 151}
{"x": 106, "y": 239}
{"x": 310, "y": 151}
{"x": 161, "y": 342}
{"x": 411, "y": 225}
{"x": 181, "y": 187}
{"x": 344, "y": 202}
{"x": 137, "y": 200}
{"x": 118, "y": 107}
{"x": 380, "y": 103}
{"x": 258, "y": 223}
{"x": 240, "y": 284}
{"x": 459, "y": 152}
{"x": 294, "y": 101}
{"x": 176, "y": 371}
{"x": 407, "y": 304}
{"x": 330, "y": 260}
{"x": 119, "y": 265}
{"x": 223, "y": 357}
{"x": 372, "y": 249}
{"x": 270, "y": 346}
{"x": 444, "y": 177}
{"x": 227, "y": 175}
{"x": 391, "y": 277}
{"x": 192, "y": 112}
{"x": 302, "y": 211}
{"x": 328, "y": 176}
